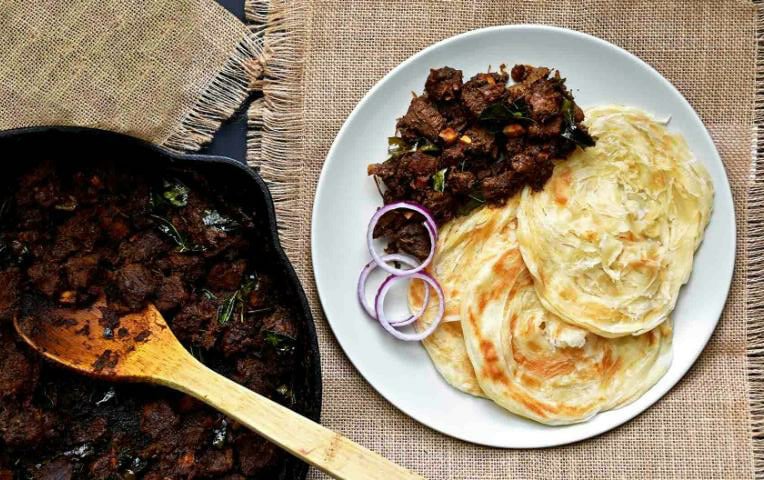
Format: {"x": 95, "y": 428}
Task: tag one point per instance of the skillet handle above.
{"x": 329, "y": 451}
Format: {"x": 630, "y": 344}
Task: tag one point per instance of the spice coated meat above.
{"x": 463, "y": 144}
{"x": 72, "y": 233}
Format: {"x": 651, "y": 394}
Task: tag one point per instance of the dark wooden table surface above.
{"x": 231, "y": 140}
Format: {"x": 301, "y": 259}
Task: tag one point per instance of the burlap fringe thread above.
{"x": 222, "y": 97}
{"x": 276, "y": 120}
{"x": 755, "y": 263}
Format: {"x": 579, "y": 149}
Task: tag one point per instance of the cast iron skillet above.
{"x": 239, "y": 182}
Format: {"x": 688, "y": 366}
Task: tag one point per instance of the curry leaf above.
{"x": 225, "y": 310}
{"x": 571, "y": 131}
{"x": 502, "y": 112}
{"x": 439, "y": 180}
{"x": 425, "y": 146}
{"x": 175, "y": 192}
{"x": 249, "y": 284}
{"x": 69, "y": 204}
{"x": 283, "y": 344}
{"x": 208, "y": 294}
{"x": 396, "y": 146}
{"x": 475, "y": 200}
{"x": 237, "y": 299}
{"x": 183, "y": 245}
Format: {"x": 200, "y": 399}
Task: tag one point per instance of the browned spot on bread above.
{"x": 471, "y": 318}
{"x": 536, "y": 407}
{"x": 629, "y": 236}
{"x": 529, "y": 381}
{"x": 659, "y": 179}
{"x": 543, "y": 367}
{"x": 591, "y": 236}
{"x": 492, "y": 369}
{"x": 417, "y": 294}
{"x": 608, "y": 366}
{"x": 560, "y": 187}
{"x": 567, "y": 294}
{"x": 598, "y": 311}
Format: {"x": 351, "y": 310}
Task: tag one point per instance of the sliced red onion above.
{"x": 379, "y": 305}
{"x": 430, "y": 226}
{"x": 364, "y": 277}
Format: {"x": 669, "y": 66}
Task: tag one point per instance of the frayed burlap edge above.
{"x": 276, "y": 120}
{"x": 755, "y": 261}
{"x": 221, "y": 98}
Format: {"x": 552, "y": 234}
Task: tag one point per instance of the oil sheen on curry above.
{"x": 84, "y": 232}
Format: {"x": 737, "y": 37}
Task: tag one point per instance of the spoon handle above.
{"x": 327, "y": 450}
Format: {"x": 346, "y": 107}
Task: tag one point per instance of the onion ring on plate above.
{"x": 364, "y": 277}
{"x": 380, "y": 300}
{"x": 429, "y": 224}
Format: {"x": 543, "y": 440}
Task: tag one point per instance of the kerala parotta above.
{"x": 535, "y": 365}
{"x": 464, "y": 244}
{"x": 610, "y": 239}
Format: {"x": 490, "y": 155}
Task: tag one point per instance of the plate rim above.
{"x": 726, "y": 191}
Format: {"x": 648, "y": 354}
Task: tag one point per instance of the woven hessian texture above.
{"x": 165, "y": 71}
{"x": 702, "y": 428}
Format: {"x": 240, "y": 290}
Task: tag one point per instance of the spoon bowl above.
{"x": 140, "y": 347}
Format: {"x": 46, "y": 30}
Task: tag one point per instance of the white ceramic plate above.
{"x": 598, "y": 73}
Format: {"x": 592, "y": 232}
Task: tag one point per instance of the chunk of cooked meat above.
{"x": 59, "y": 469}
{"x": 196, "y": 322}
{"x": 141, "y": 247}
{"x": 25, "y": 428}
{"x": 157, "y": 417}
{"x": 500, "y": 186}
{"x": 216, "y": 462}
{"x": 489, "y": 140}
{"x": 46, "y": 276}
{"x": 172, "y": 293}
{"x": 421, "y": 120}
{"x": 9, "y": 294}
{"x": 481, "y": 142}
{"x": 461, "y": 182}
{"x": 482, "y": 90}
{"x": 411, "y": 239}
{"x": 135, "y": 283}
{"x": 226, "y": 275}
{"x": 256, "y": 454}
{"x": 443, "y": 84}
{"x": 456, "y": 114}
{"x": 17, "y": 372}
{"x": 80, "y": 270}
{"x": 417, "y": 164}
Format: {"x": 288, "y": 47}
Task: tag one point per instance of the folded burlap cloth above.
{"x": 326, "y": 54}
{"x": 167, "y": 71}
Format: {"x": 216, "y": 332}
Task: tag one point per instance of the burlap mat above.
{"x": 165, "y": 71}
{"x": 324, "y": 55}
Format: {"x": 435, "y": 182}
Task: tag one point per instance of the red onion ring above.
{"x": 364, "y": 277}
{"x": 380, "y": 300}
{"x": 430, "y": 226}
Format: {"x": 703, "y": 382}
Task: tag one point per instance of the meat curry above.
{"x": 464, "y": 144}
{"x": 71, "y": 232}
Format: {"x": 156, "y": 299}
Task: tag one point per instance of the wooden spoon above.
{"x": 144, "y": 349}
